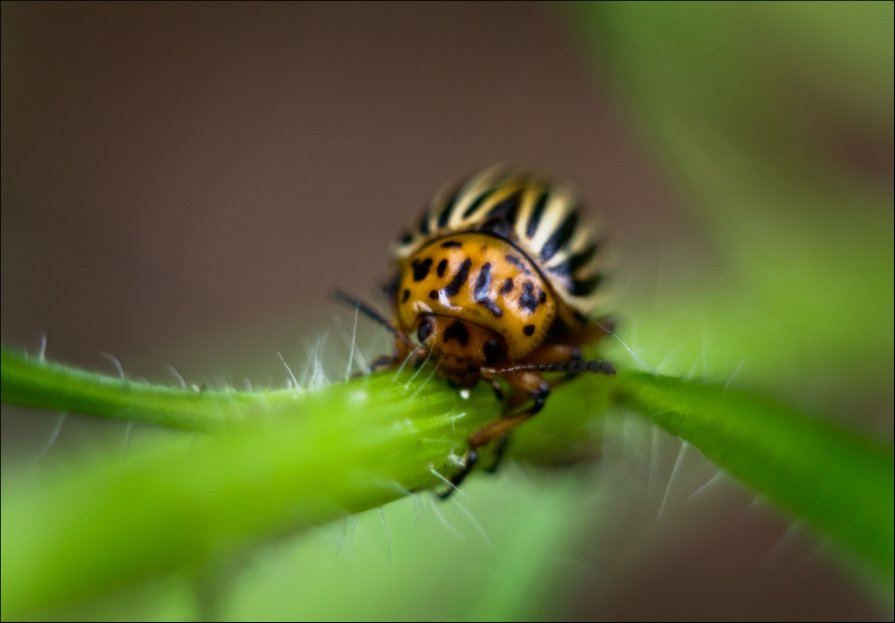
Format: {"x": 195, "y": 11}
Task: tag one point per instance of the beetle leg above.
{"x": 497, "y": 389}
{"x": 500, "y": 449}
{"x": 383, "y": 362}
{"x": 488, "y": 376}
{"x": 552, "y": 353}
{"x": 501, "y": 445}
{"x": 469, "y": 460}
{"x": 530, "y": 385}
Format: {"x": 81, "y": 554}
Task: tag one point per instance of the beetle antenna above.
{"x": 372, "y": 314}
{"x": 573, "y": 366}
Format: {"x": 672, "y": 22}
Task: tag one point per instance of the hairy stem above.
{"x": 280, "y": 461}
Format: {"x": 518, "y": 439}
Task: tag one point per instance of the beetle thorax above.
{"x": 482, "y": 281}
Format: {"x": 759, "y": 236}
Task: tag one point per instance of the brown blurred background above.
{"x": 185, "y": 184}
{"x": 183, "y": 175}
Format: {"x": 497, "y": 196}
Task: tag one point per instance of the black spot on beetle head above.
{"x": 528, "y": 330}
{"x": 457, "y": 331}
{"x": 425, "y": 329}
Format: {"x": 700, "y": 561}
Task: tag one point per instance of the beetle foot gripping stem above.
{"x": 469, "y": 461}
{"x": 525, "y": 377}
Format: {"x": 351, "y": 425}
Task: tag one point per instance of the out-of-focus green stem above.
{"x": 34, "y": 382}
{"x": 80, "y": 530}
{"x": 839, "y": 482}
{"x": 278, "y": 461}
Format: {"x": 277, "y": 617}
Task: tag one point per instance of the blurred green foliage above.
{"x": 760, "y": 114}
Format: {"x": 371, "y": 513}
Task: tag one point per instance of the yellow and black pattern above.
{"x": 538, "y": 215}
{"x": 479, "y": 280}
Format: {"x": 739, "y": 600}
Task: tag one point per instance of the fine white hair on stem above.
{"x": 361, "y": 361}
{"x": 669, "y": 356}
{"x": 418, "y": 369}
{"x": 425, "y": 381}
{"x": 309, "y": 361}
{"x": 407, "y": 359}
{"x": 475, "y": 522}
{"x": 353, "y": 343}
{"x": 53, "y": 437}
{"x": 454, "y": 419}
{"x": 630, "y": 350}
{"x": 699, "y": 360}
{"x": 708, "y": 484}
{"x": 791, "y": 532}
{"x": 349, "y": 530}
{"x": 445, "y": 480}
{"x": 42, "y": 350}
{"x": 318, "y": 377}
{"x": 388, "y": 534}
{"x": 116, "y": 363}
{"x": 289, "y": 370}
{"x": 652, "y": 475}
{"x": 734, "y": 374}
{"x": 434, "y": 504}
{"x": 690, "y": 375}
{"x": 758, "y": 503}
{"x": 674, "y": 472}
{"x": 177, "y": 376}
{"x": 353, "y": 340}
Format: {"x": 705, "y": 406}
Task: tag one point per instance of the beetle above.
{"x": 497, "y": 280}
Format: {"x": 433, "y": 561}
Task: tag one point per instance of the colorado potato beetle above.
{"x": 497, "y": 280}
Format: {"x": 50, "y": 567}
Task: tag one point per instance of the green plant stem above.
{"x": 837, "y": 481}
{"x": 278, "y": 462}
{"x": 34, "y": 382}
{"x": 81, "y": 530}
{"x": 74, "y": 530}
